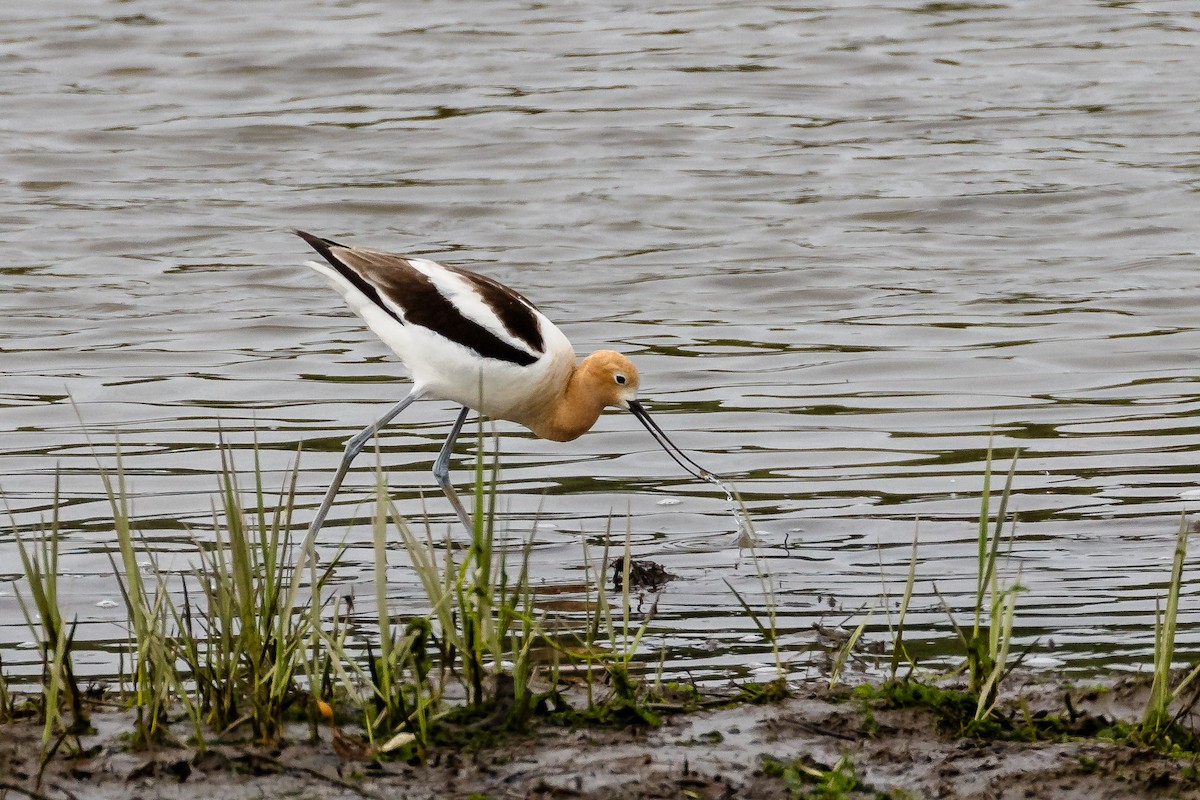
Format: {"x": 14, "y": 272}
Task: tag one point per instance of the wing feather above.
{"x": 469, "y": 309}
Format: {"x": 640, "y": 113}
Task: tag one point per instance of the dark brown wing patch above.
{"x": 325, "y": 248}
{"x": 380, "y": 275}
{"x": 514, "y": 311}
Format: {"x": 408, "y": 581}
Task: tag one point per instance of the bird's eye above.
{"x": 619, "y": 378}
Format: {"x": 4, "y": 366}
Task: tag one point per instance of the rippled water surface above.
{"x": 844, "y": 243}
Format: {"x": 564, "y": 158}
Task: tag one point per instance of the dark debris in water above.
{"x": 643, "y": 574}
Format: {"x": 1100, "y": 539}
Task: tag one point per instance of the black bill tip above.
{"x": 677, "y": 455}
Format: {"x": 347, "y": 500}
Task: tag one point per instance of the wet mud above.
{"x": 740, "y": 751}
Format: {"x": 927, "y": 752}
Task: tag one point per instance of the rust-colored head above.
{"x": 602, "y": 379}
{"x": 609, "y": 378}
{"x": 606, "y": 378}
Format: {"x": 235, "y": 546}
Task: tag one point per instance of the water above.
{"x": 845, "y": 244}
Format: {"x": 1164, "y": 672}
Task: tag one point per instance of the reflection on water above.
{"x": 846, "y": 245}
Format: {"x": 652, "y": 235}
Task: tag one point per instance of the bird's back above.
{"x": 463, "y": 336}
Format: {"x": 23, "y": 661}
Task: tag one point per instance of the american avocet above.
{"x": 473, "y": 341}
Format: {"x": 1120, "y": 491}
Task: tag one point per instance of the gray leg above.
{"x": 441, "y": 470}
{"x": 353, "y": 448}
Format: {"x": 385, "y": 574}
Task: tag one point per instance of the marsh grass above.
{"x": 1001, "y": 599}
{"x": 766, "y": 623}
{"x": 495, "y": 606}
{"x": 244, "y": 646}
{"x": 806, "y": 781}
{"x": 843, "y": 654}
{"x": 987, "y": 643}
{"x": 588, "y": 650}
{"x": 393, "y": 690}
{"x": 603, "y": 645}
{"x": 154, "y": 679}
{"x": 627, "y": 700}
{"x": 1158, "y": 723}
{"x": 230, "y": 650}
{"x": 7, "y": 701}
{"x": 246, "y": 640}
{"x": 401, "y": 694}
{"x": 53, "y": 637}
{"x": 478, "y": 632}
{"x": 900, "y": 650}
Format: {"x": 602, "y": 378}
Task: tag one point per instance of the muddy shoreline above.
{"x": 740, "y": 751}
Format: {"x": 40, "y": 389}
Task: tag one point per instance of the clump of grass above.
{"x": 954, "y": 707}
{"x": 479, "y": 630}
{"x": 808, "y": 780}
{"x": 244, "y": 644}
{"x": 842, "y": 656}
{"x": 400, "y": 699}
{"x": 231, "y": 651}
{"x": 986, "y": 643}
{"x": 773, "y": 691}
{"x": 155, "y": 681}
{"x": 1158, "y": 724}
{"x": 900, "y": 650}
{"x": 767, "y": 628}
{"x": 628, "y": 700}
{"x": 54, "y": 638}
{"x": 494, "y": 608}
{"x": 588, "y": 649}
{"x": 989, "y": 640}
{"x": 606, "y": 645}
{"x": 7, "y": 704}
{"x": 988, "y": 657}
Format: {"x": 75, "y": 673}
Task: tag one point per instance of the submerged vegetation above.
{"x": 256, "y": 641}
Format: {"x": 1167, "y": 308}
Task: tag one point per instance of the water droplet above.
{"x": 741, "y": 524}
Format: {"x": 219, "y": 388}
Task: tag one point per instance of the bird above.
{"x": 469, "y": 339}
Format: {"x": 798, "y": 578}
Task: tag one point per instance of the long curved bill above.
{"x": 677, "y": 455}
